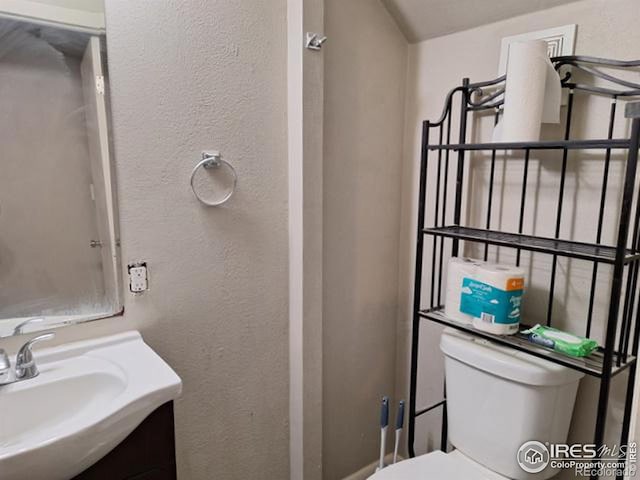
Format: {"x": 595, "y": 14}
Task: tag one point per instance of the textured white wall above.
{"x": 605, "y": 29}
{"x": 365, "y": 68}
{"x": 188, "y": 76}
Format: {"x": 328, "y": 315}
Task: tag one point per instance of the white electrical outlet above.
{"x": 138, "y": 279}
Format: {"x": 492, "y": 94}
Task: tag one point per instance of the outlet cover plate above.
{"x": 138, "y": 277}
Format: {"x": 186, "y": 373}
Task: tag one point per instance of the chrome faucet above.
{"x": 26, "y": 367}
{"x": 5, "y": 368}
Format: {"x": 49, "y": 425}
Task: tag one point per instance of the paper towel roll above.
{"x": 457, "y": 269}
{"x": 532, "y": 93}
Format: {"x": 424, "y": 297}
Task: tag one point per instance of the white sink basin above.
{"x": 88, "y": 397}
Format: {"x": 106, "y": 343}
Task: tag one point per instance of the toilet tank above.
{"x": 499, "y": 398}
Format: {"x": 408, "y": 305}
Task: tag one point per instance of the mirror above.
{"x": 59, "y": 240}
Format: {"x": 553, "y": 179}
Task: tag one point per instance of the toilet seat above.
{"x": 437, "y": 466}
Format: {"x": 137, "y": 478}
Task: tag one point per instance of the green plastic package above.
{"x": 560, "y": 341}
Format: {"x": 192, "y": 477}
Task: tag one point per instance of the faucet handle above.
{"x": 19, "y": 329}
{"x": 5, "y": 367}
{"x": 25, "y": 364}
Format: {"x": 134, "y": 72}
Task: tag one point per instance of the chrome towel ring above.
{"x": 209, "y": 161}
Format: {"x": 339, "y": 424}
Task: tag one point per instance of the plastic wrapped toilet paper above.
{"x": 494, "y": 297}
{"x": 504, "y": 277}
{"x": 457, "y": 269}
{"x": 532, "y": 95}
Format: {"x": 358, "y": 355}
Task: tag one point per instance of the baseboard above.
{"x": 370, "y": 469}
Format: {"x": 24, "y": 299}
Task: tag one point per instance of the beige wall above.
{"x": 186, "y": 77}
{"x": 365, "y": 67}
{"x": 605, "y": 29}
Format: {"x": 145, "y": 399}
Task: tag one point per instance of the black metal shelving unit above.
{"x": 622, "y": 323}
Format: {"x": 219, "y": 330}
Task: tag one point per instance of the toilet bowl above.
{"x": 497, "y": 399}
{"x": 437, "y": 466}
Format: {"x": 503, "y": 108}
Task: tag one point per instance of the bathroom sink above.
{"x": 88, "y": 397}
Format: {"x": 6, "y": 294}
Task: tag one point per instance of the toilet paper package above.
{"x": 458, "y": 269}
{"x": 486, "y": 295}
{"x": 493, "y": 298}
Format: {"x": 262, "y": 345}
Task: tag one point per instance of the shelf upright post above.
{"x": 462, "y": 135}
{"x": 603, "y": 198}
{"x": 492, "y": 174}
{"x": 618, "y": 272}
{"x": 633, "y": 112}
{"x": 460, "y": 167}
{"x": 563, "y": 174}
{"x": 417, "y": 287}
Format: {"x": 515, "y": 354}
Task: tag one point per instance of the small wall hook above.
{"x": 314, "y": 41}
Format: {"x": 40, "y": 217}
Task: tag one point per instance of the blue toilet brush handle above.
{"x": 400, "y": 415}
{"x": 384, "y": 423}
{"x": 384, "y": 412}
{"x": 399, "y": 424}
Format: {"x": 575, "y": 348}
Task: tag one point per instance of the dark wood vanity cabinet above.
{"x": 148, "y": 453}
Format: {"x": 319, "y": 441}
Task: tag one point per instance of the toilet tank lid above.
{"x": 503, "y": 361}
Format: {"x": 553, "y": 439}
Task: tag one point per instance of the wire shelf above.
{"x": 565, "y": 248}
{"x": 592, "y": 365}
{"x": 612, "y": 144}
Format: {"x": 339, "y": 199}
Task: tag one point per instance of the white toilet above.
{"x": 497, "y": 399}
